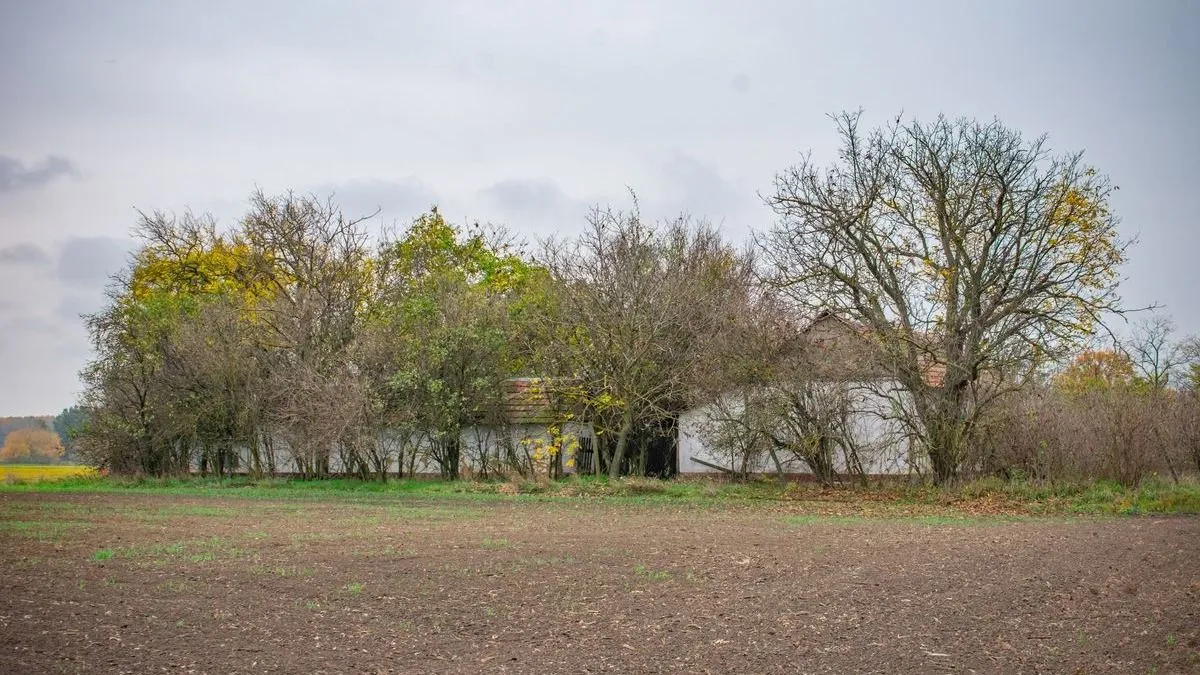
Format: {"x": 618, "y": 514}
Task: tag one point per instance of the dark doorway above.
{"x": 652, "y": 451}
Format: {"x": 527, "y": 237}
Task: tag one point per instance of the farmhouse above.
{"x": 533, "y": 429}
{"x": 843, "y": 363}
{"x": 538, "y": 428}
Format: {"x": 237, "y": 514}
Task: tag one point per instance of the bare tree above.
{"x": 794, "y": 417}
{"x": 212, "y": 368}
{"x": 971, "y": 254}
{"x": 310, "y": 261}
{"x": 1155, "y": 356}
{"x": 1158, "y": 361}
{"x": 737, "y": 426}
{"x": 633, "y": 301}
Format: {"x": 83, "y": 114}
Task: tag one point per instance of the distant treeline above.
{"x": 11, "y": 424}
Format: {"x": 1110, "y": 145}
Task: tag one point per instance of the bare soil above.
{"x": 150, "y": 583}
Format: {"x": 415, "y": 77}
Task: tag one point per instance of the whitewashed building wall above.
{"x": 883, "y": 445}
{"x": 474, "y": 441}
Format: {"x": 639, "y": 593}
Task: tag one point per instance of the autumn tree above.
{"x": 218, "y": 342}
{"x": 285, "y": 332}
{"x": 447, "y": 301}
{"x": 142, "y": 420}
{"x": 31, "y": 444}
{"x": 633, "y": 302}
{"x": 971, "y": 253}
{"x": 1149, "y": 358}
{"x": 1096, "y": 370}
{"x": 312, "y": 264}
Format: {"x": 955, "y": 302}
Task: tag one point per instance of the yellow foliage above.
{"x": 1083, "y": 234}
{"x": 35, "y": 472}
{"x": 544, "y": 450}
{"x": 31, "y": 444}
{"x": 216, "y": 267}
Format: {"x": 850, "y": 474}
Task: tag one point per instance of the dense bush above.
{"x": 1123, "y": 434}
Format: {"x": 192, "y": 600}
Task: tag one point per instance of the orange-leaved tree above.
{"x": 31, "y": 445}
{"x": 1096, "y": 370}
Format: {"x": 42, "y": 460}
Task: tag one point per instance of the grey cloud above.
{"x": 394, "y": 200}
{"x": 169, "y": 102}
{"x": 29, "y": 326}
{"x": 534, "y": 205}
{"x": 699, "y": 189}
{"x": 24, "y": 254}
{"x": 15, "y": 175}
{"x": 526, "y": 195}
{"x": 89, "y": 262}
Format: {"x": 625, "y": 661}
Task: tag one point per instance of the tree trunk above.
{"x": 778, "y": 465}
{"x": 943, "y": 419}
{"x": 820, "y": 460}
{"x": 944, "y": 453}
{"x": 598, "y": 452}
{"x": 253, "y": 456}
{"x": 855, "y": 466}
{"x": 383, "y": 459}
{"x": 614, "y": 466}
{"x": 452, "y": 450}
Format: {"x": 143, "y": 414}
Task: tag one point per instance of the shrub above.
{"x": 1118, "y": 434}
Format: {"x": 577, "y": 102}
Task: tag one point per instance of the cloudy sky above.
{"x": 527, "y": 112}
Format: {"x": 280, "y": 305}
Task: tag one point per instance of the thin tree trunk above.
{"x": 778, "y": 464}
{"x": 614, "y": 466}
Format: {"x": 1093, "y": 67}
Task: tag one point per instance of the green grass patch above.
{"x": 937, "y": 520}
{"x": 643, "y": 572}
{"x": 1154, "y": 495}
{"x": 427, "y": 499}
{"x": 47, "y": 531}
{"x": 352, "y": 490}
{"x": 284, "y": 571}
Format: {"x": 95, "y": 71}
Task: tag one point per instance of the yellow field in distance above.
{"x": 32, "y": 472}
